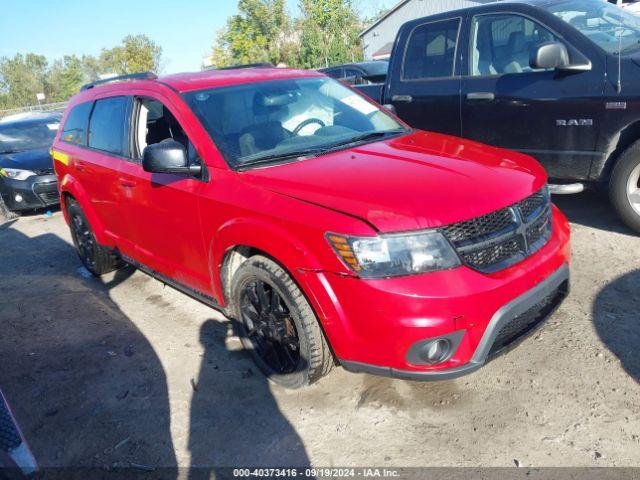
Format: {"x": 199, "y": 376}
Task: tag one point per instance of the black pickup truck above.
{"x": 559, "y": 80}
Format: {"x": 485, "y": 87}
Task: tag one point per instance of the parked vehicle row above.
{"x": 558, "y": 80}
{"x": 329, "y": 230}
{"x": 27, "y": 180}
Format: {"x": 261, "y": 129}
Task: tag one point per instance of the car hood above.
{"x": 38, "y": 159}
{"x": 421, "y": 180}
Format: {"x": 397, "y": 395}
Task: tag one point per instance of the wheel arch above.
{"x": 621, "y": 141}
{"x": 240, "y": 238}
{"x": 70, "y": 188}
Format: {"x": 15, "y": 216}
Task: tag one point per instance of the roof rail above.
{"x": 248, "y": 65}
{"x": 130, "y": 76}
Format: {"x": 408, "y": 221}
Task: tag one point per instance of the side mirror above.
{"x": 168, "y": 156}
{"x": 554, "y": 55}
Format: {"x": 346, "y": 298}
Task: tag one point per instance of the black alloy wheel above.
{"x": 269, "y": 326}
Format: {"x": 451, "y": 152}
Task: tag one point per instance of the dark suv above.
{"x": 558, "y": 80}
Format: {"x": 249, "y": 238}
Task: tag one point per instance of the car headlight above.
{"x": 16, "y": 173}
{"x": 395, "y": 254}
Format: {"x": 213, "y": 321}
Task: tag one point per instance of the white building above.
{"x": 378, "y": 38}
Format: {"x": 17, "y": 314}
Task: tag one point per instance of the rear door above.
{"x": 424, "y": 83}
{"x": 108, "y": 145}
{"x": 548, "y": 114}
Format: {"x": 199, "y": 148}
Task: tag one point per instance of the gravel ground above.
{"x": 123, "y": 371}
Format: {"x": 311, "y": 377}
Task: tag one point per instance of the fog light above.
{"x": 436, "y": 351}
{"x": 18, "y": 198}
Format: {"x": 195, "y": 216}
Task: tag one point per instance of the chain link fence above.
{"x": 45, "y": 107}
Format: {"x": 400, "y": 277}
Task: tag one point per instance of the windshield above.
{"x": 19, "y": 137}
{"x": 609, "y": 26}
{"x": 280, "y": 119}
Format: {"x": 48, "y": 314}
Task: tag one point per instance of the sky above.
{"x": 185, "y": 29}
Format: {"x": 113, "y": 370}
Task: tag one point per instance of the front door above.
{"x": 163, "y": 208}
{"x": 544, "y": 113}
{"x": 427, "y": 93}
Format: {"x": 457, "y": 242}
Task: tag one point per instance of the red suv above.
{"x": 326, "y": 228}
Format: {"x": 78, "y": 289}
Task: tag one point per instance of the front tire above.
{"x": 277, "y": 324}
{"x": 624, "y": 187}
{"x": 96, "y": 258}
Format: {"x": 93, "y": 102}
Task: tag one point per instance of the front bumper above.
{"x": 37, "y": 191}
{"x": 555, "y": 287}
{"x": 372, "y": 325}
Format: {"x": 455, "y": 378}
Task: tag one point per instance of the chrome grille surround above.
{"x": 505, "y": 237}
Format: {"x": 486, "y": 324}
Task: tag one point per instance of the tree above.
{"x": 329, "y": 33}
{"x": 262, "y": 31}
{"x": 137, "y": 53}
{"x": 21, "y": 77}
{"x": 65, "y": 78}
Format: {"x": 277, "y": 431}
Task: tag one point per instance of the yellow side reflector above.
{"x": 60, "y": 157}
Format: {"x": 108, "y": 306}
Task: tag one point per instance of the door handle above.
{"x": 402, "y": 98}
{"x": 81, "y": 167}
{"x": 486, "y": 96}
{"x": 125, "y": 182}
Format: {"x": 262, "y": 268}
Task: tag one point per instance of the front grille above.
{"x": 44, "y": 171}
{"x": 503, "y": 238}
{"x": 49, "y": 198}
{"x": 526, "y": 322}
{"x": 47, "y": 192}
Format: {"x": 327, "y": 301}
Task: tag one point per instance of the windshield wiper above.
{"x": 281, "y": 156}
{"x": 310, "y": 152}
{"x": 367, "y": 136}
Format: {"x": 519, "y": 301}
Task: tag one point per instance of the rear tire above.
{"x": 277, "y": 324}
{"x": 624, "y": 187}
{"x": 96, "y": 258}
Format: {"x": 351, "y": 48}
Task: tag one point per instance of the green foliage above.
{"x": 65, "y": 78}
{"x": 330, "y": 31}
{"x": 263, "y": 31}
{"x": 137, "y": 53}
{"x": 22, "y": 76}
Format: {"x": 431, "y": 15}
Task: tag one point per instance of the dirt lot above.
{"x": 123, "y": 371}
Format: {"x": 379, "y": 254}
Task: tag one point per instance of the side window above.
{"x": 503, "y": 43}
{"x": 109, "y": 125}
{"x": 431, "y": 50}
{"x": 353, "y": 76}
{"x": 155, "y": 123}
{"x": 335, "y": 73}
{"x": 75, "y": 127}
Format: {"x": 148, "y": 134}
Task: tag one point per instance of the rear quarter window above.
{"x": 109, "y": 124}
{"x": 75, "y": 127}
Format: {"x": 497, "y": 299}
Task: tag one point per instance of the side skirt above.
{"x": 181, "y": 287}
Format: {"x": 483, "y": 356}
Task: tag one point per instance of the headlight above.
{"x": 395, "y": 255}
{"x": 16, "y": 173}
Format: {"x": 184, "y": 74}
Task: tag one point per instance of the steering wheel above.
{"x": 308, "y": 121}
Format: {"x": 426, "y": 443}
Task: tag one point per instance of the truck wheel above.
{"x": 96, "y": 258}
{"x": 624, "y": 187}
{"x": 277, "y": 324}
